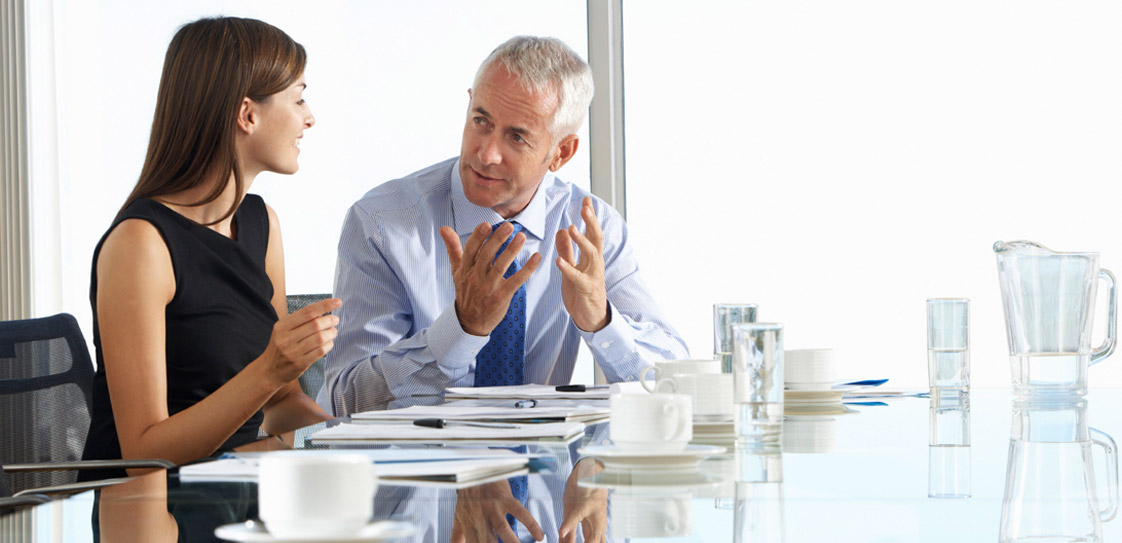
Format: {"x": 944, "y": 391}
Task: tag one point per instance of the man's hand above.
{"x": 481, "y": 515}
{"x": 582, "y": 283}
{"x": 482, "y": 294}
{"x": 584, "y": 507}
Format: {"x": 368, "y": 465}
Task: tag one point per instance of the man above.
{"x": 427, "y": 288}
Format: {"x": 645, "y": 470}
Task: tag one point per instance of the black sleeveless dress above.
{"x": 219, "y": 320}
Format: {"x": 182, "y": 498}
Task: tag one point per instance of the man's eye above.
{"x": 479, "y": 120}
{"x": 517, "y": 138}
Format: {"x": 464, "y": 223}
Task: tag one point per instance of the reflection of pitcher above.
{"x": 1049, "y": 299}
{"x": 1050, "y": 477}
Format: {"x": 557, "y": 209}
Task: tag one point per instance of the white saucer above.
{"x": 614, "y": 458}
{"x": 375, "y": 532}
{"x": 809, "y": 387}
{"x": 813, "y": 397}
{"x": 650, "y": 480}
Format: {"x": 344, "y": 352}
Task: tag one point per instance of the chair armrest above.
{"x": 23, "y": 501}
{"x": 71, "y": 488}
{"x": 89, "y": 464}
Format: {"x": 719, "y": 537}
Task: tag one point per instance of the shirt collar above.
{"x": 466, "y": 215}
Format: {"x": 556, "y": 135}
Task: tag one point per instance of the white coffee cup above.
{"x": 711, "y": 393}
{"x": 667, "y": 368}
{"x": 650, "y": 513}
{"x": 651, "y": 422}
{"x": 306, "y": 495}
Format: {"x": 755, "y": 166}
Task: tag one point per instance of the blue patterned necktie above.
{"x": 501, "y": 361}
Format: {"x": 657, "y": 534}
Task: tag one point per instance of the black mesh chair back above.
{"x": 312, "y": 380}
{"x": 46, "y": 379}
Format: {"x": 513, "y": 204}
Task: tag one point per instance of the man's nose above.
{"x": 489, "y": 152}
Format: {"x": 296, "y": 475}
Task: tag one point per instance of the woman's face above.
{"x": 280, "y": 122}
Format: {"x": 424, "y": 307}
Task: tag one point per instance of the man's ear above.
{"x": 566, "y": 150}
{"x": 247, "y": 116}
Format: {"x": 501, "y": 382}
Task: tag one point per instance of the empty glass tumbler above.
{"x": 948, "y": 343}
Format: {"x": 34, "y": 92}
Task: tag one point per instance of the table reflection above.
{"x": 1050, "y": 481}
{"x": 1059, "y": 481}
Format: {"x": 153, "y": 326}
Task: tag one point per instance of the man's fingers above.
{"x": 523, "y": 515}
{"x": 503, "y": 261}
{"x": 591, "y": 223}
{"x": 565, "y": 247}
{"x": 474, "y": 242}
{"x": 486, "y": 254}
{"x": 587, "y": 248}
{"x": 523, "y": 275}
{"x": 452, "y": 245}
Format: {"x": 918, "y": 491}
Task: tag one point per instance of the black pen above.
{"x": 580, "y": 388}
{"x": 441, "y": 423}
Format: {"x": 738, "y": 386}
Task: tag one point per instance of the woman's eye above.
{"x": 301, "y": 102}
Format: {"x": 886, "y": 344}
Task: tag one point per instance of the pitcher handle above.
{"x": 1107, "y": 443}
{"x": 1107, "y": 347}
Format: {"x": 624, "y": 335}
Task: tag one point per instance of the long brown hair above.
{"x": 210, "y": 66}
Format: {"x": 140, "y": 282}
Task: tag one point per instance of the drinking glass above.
{"x": 758, "y": 382}
{"x": 724, "y": 316}
{"x": 948, "y": 343}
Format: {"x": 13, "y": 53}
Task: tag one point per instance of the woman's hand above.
{"x": 300, "y": 339}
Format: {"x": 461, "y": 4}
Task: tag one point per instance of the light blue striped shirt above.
{"x": 398, "y": 333}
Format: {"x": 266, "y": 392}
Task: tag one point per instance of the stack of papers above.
{"x": 531, "y": 415}
{"x": 542, "y": 392}
{"x": 406, "y": 432}
{"x": 405, "y": 467}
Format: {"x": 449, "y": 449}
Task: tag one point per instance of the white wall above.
{"x": 387, "y": 84}
{"x": 840, "y": 162}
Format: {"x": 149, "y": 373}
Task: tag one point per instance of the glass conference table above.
{"x": 865, "y": 475}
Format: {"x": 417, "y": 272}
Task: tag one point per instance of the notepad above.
{"x": 532, "y": 415}
{"x": 405, "y": 432}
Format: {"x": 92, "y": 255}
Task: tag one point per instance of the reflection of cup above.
{"x": 809, "y": 434}
{"x": 650, "y": 513}
{"x": 758, "y": 388}
{"x": 651, "y": 422}
{"x": 724, "y": 316}
{"x": 315, "y": 495}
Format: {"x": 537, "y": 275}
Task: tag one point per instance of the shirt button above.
{"x": 605, "y": 345}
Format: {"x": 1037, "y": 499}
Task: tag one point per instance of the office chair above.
{"x": 312, "y": 380}
{"x": 46, "y": 383}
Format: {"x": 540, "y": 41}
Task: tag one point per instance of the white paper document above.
{"x": 405, "y": 431}
{"x": 529, "y": 415}
{"x": 543, "y": 392}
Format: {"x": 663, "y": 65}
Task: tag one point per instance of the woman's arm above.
{"x": 135, "y": 283}
{"x": 289, "y": 408}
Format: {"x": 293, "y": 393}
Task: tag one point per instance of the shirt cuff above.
{"x": 451, "y": 346}
{"x": 614, "y": 341}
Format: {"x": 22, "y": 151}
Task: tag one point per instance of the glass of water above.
{"x": 757, "y": 358}
{"x": 948, "y": 343}
{"x": 724, "y": 316}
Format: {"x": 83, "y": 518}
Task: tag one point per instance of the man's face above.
{"x": 507, "y": 147}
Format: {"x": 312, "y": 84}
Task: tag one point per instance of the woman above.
{"x": 188, "y": 282}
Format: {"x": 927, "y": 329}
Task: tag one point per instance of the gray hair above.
{"x": 547, "y": 64}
